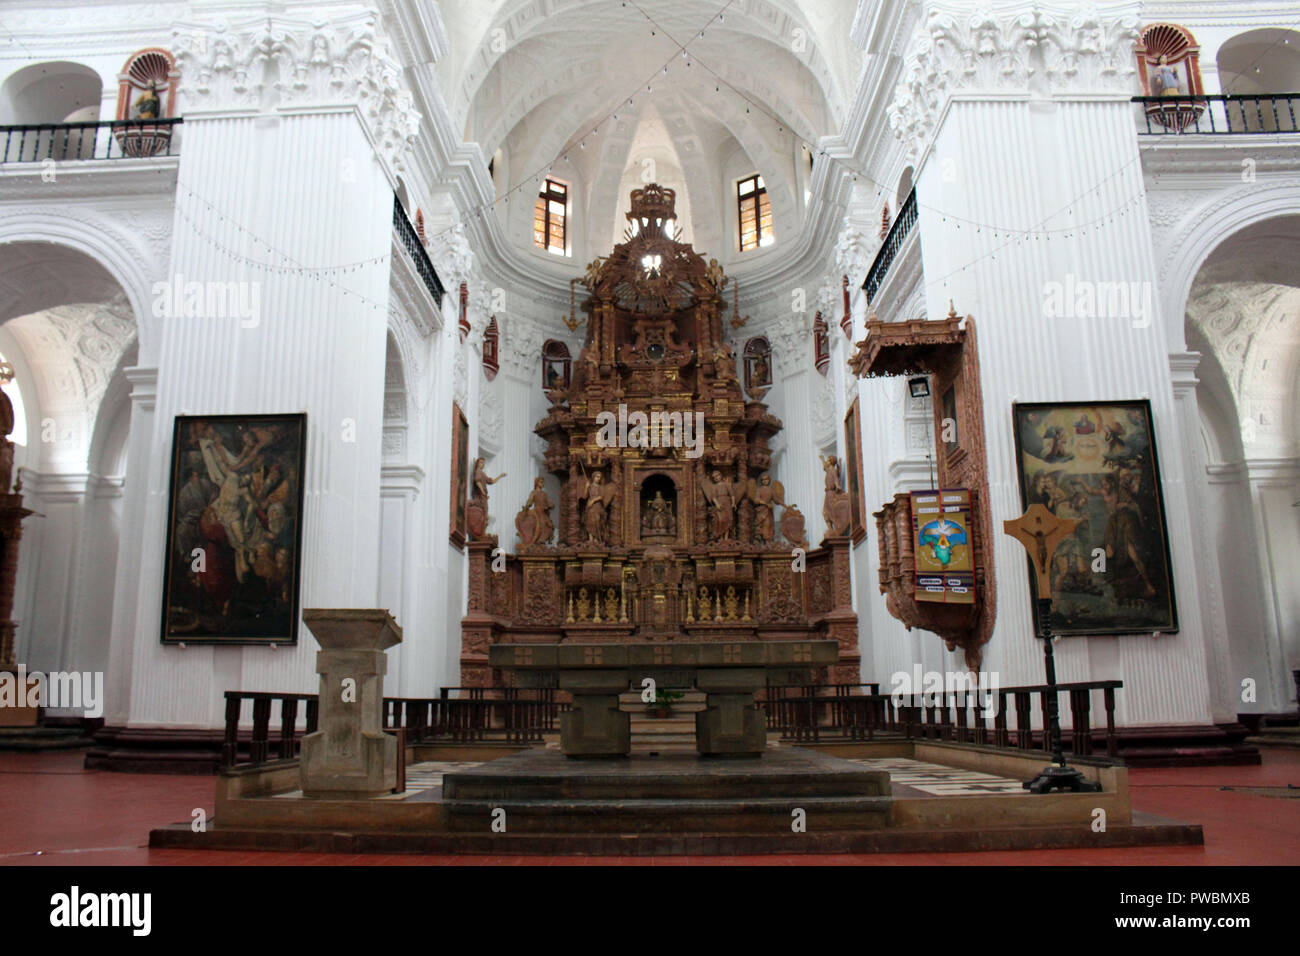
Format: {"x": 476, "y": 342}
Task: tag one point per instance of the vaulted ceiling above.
{"x": 536, "y": 84}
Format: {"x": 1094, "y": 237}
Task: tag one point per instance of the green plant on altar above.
{"x": 662, "y": 705}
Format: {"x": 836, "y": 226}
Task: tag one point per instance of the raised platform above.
{"x": 940, "y": 797}
{"x": 543, "y": 791}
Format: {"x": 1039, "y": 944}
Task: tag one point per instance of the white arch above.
{"x": 1204, "y": 231}
{"x": 100, "y": 242}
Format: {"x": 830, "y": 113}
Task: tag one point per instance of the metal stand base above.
{"x": 1061, "y": 778}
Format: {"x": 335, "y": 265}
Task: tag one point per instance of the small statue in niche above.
{"x": 534, "y": 522}
{"x": 149, "y": 105}
{"x": 658, "y": 516}
{"x": 765, "y": 494}
{"x": 835, "y": 505}
{"x": 599, "y": 496}
{"x": 723, "y": 495}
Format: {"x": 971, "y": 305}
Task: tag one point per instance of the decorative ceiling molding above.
{"x": 289, "y": 64}
{"x": 1016, "y": 50}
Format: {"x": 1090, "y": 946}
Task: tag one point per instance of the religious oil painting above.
{"x": 1096, "y": 463}
{"x": 234, "y": 529}
{"x": 459, "y": 476}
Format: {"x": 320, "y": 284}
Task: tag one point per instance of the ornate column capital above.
{"x": 1025, "y": 48}
{"x": 288, "y": 64}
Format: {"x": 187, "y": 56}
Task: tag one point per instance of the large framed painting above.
{"x": 459, "y": 475}
{"x": 1096, "y": 462}
{"x": 853, "y": 473}
{"x": 234, "y": 529}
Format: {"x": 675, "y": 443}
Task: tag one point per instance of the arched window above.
{"x": 821, "y": 344}
{"x": 550, "y": 225}
{"x": 557, "y": 365}
{"x": 758, "y": 364}
{"x": 754, "y": 208}
{"x": 491, "y": 345}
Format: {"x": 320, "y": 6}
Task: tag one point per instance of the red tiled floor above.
{"x": 70, "y": 816}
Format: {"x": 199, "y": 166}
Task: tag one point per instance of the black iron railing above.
{"x": 415, "y": 248}
{"x": 117, "y": 139}
{"x": 889, "y": 249}
{"x": 1219, "y": 115}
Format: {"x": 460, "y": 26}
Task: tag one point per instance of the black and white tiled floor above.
{"x": 936, "y": 780}
{"x": 428, "y": 774}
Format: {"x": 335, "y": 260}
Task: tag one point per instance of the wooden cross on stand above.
{"x": 1042, "y": 532}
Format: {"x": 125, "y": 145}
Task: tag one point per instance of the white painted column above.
{"x": 279, "y": 182}
{"x": 1042, "y": 137}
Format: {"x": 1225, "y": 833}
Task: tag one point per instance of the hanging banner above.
{"x": 941, "y": 542}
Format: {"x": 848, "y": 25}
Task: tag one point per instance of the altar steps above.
{"x": 660, "y": 736}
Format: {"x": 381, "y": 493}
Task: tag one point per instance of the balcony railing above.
{"x": 415, "y": 248}
{"x": 893, "y": 242}
{"x": 1219, "y": 115}
{"x": 116, "y": 139}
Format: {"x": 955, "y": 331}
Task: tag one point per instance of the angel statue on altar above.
{"x": 599, "y": 497}
{"x": 724, "y": 495}
{"x": 766, "y": 494}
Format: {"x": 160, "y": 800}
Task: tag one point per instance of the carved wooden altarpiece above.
{"x": 659, "y": 541}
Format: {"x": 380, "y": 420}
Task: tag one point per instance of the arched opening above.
{"x": 758, "y": 364}
{"x": 904, "y": 187}
{"x": 1256, "y": 64}
{"x": 48, "y": 94}
{"x": 557, "y": 365}
{"x": 1243, "y": 316}
{"x": 55, "y": 92}
{"x": 658, "y": 508}
{"x": 69, "y": 332}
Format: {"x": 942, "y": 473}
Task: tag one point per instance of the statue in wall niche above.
{"x": 6, "y": 428}
{"x": 534, "y": 522}
{"x": 723, "y": 495}
{"x": 476, "y": 512}
{"x": 658, "y": 516}
{"x": 836, "y": 507}
{"x": 765, "y": 494}
{"x": 599, "y": 496}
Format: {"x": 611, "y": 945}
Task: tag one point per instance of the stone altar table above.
{"x": 728, "y": 673}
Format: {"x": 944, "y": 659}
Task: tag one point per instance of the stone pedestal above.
{"x": 350, "y": 756}
{"x": 595, "y": 727}
{"x": 731, "y": 723}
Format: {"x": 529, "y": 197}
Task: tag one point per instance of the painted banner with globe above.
{"x": 945, "y": 567}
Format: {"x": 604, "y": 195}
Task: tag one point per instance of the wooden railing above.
{"x": 460, "y": 714}
{"x": 859, "y": 712}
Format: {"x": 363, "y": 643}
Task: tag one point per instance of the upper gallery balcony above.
{"x": 1263, "y": 113}
{"x": 66, "y": 142}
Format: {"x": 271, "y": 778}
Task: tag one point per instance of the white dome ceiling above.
{"x": 536, "y": 84}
